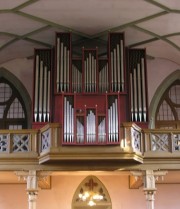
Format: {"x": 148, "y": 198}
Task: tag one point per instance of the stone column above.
{"x": 32, "y": 177}
{"x": 149, "y": 178}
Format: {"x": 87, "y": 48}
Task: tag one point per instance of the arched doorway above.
{"x": 91, "y": 193}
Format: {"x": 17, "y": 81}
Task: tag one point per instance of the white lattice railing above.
{"x": 49, "y": 137}
{"x": 132, "y": 138}
{"x": 150, "y": 140}
{"x": 162, "y": 140}
{"x": 13, "y": 141}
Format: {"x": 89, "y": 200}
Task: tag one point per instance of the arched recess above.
{"x": 159, "y": 93}
{"x": 91, "y": 192}
{"x": 4, "y": 73}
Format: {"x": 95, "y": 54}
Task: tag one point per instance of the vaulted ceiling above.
{"x": 150, "y": 24}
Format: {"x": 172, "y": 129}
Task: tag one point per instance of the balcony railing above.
{"x": 133, "y": 139}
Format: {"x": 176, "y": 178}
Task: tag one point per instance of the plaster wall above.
{"x": 157, "y": 70}
{"x": 63, "y": 188}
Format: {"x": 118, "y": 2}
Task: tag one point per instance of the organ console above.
{"x": 90, "y": 96}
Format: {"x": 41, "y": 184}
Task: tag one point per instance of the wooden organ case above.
{"x": 89, "y": 96}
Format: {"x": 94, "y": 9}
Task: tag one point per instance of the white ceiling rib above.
{"x": 150, "y": 24}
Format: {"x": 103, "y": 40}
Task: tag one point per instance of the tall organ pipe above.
{"x": 36, "y": 89}
{"x": 122, "y": 66}
{"x": 139, "y": 93}
{"x": 58, "y": 57}
{"x": 143, "y": 89}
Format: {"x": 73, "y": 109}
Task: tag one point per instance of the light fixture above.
{"x": 90, "y": 197}
{"x": 91, "y": 193}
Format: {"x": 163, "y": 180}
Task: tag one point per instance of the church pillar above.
{"x": 32, "y": 188}
{"x": 32, "y": 177}
{"x": 149, "y": 178}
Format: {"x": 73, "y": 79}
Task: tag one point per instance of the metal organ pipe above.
{"x": 132, "y": 98}
{"x": 36, "y": 89}
{"x": 45, "y": 94}
{"x": 80, "y": 131}
{"x": 48, "y": 96}
{"x": 103, "y": 79}
{"x": 76, "y": 79}
{"x": 101, "y": 131}
{"x": 91, "y": 127}
{"x": 65, "y": 69}
{"x": 58, "y": 58}
{"x": 139, "y": 93}
{"x": 112, "y": 72}
{"x": 113, "y": 121}
{"x": 40, "y": 91}
{"x": 90, "y": 73}
{"x": 61, "y": 67}
{"x": 143, "y": 90}
{"x": 68, "y": 121}
{"x": 117, "y": 67}
{"x": 122, "y": 65}
{"x": 135, "y": 95}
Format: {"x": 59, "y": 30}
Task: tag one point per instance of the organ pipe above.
{"x": 144, "y": 90}
{"x": 68, "y": 120}
{"x": 113, "y": 121}
{"x": 117, "y": 65}
{"x": 63, "y": 64}
{"x": 137, "y": 87}
{"x": 90, "y": 72}
{"x": 42, "y": 86}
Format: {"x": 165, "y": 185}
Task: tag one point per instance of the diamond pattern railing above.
{"x": 48, "y": 138}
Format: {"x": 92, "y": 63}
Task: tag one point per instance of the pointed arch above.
{"x": 86, "y": 191}
{"x": 159, "y": 93}
{"x": 5, "y": 74}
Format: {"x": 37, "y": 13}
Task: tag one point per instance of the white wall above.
{"x": 23, "y": 70}
{"x": 157, "y": 71}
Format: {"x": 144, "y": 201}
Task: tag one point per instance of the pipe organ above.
{"x": 138, "y": 85}
{"x": 91, "y": 95}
